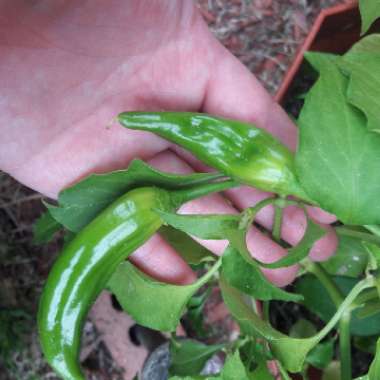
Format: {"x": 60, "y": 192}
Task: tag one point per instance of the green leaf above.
{"x": 188, "y": 357}
{"x": 80, "y": 203}
{"x": 313, "y": 233}
{"x": 234, "y": 228}
{"x": 314, "y": 292}
{"x": 261, "y": 372}
{"x": 374, "y": 251}
{"x": 250, "y": 280}
{"x": 374, "y": 370}
{"x": 45, "y": 228}
{"x": 362, "y": 65}
{"x": 190, "y": 250}
{"x": 369, "y": 308}
{"x": 234, "y": 368}
{"x": 215, "y": 226}
{"x": 369, "y": 11}
{"x": 195, "y": 315}
{"x": 338, "y": 160}
{"x": 321, "y": 355}
{"x": 281, "y": 344}
{"x": 374, "y": 229}
{"x": 302, "y": 329}
{"x": 350, "y": 258}
{"x": 366, "y": 343}
{"x": 333, "y": 371}
{"x": 255, "y": 356}
{"x": 151, "y": 303}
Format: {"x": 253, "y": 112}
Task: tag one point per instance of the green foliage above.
{"x": 312, "y": 234}
{"x": 250, "y": 280}
{"x": 337, "y": 148}
{"x": 374, "y": 370}
{"x": 350, "y": 258}
{"x": 369, "y": 11}
{"x": 232, "y": 370}
{"x": 80, "y": 203}
{"x": 338, "y": 166}
{"x": 151, "y": 303}
{"x": 313, "y": 292}
{"x": 195, "y": 315}
{"x": 255, "y": 356}
{"x": 188, "y": 357}
{"x": 190, "y": 250}
{"x": 374, "y": 229}
{"x": 366, "y": 343}
{"x": 361, "y": 64}
{"x": 321, "y": 355}
{"x": 247, "y": 278}
{"x": 45, "y": 228}
{"x": 302, "y": 329}
{"x": 333, "y": 371}
{"x": 282, "y": 344}
{"x": 374, "y": 252}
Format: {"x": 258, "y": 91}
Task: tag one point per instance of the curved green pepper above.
{"x": 86, "y": 264}
{"x": 246, "y": 153}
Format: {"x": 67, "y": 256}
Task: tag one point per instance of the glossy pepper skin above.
{"x": 248, "y": 154}
{"x": 88, "y": 261}
{"x": 85, "y": 266}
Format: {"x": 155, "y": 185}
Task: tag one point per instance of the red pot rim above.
{"x": 307, "y": 44}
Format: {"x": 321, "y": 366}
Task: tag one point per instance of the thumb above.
{"x": 232, "y": 91}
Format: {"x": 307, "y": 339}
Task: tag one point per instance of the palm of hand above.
{"x": 76, "y": 68}
{"x": 79, "y": 70}
{"x": 69, "y": 69}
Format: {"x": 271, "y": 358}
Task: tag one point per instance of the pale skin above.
{"x": 67, "y": 68}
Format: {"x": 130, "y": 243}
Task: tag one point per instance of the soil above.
{"x": 264, "y": 35}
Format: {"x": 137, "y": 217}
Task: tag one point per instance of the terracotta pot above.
{"x": 335, "y": 30}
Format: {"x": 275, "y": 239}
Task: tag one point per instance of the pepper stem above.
{"x": 181, "y": 196}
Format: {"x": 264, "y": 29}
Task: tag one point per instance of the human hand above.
{"x": 68, "y": 68}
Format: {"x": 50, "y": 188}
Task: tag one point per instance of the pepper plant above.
{"x": 336, "y": 167}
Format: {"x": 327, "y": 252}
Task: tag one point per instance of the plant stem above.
{"x": 249, "y": 214}
{"x": 283, "y": 373}
{"x": 185, "y": 195}
{"x": 344, "y": 323}
{"x": 319, "y": 272}
{"x": 370, "y": 294}
{"x": 278, "y": 214}
{"x": 346, "y": 231}
{"x": 266, "y": 305}
{"x": 345, "y": 346}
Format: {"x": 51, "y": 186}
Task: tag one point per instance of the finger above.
{"x": 156, "y": 257}
{"x": 320, "y": 215}
{"x": 159, "y": 260}
{"x": 233, "y": 92}
{"x": 260, "y": 246}
{"x": 293, "y": 225}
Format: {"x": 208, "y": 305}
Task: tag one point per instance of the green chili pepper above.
{"x": 86, "y": 264}
{"x": 246, "y": 153}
